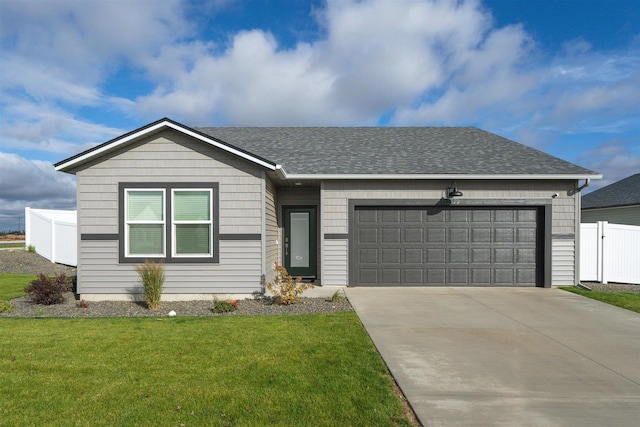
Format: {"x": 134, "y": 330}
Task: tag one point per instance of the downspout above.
{"x": 583, "y": 186}
{"x": 578, "y": 217}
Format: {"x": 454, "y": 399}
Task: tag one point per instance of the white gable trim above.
{"x": 164, "y": 124}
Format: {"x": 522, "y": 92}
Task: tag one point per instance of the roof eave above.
{"x": 75, "y": 161}
{"x": 439, "y": 176}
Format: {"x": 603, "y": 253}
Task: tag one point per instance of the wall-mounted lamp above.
{"x": 453, "y": 192}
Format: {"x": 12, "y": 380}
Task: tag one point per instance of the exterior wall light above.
{"x": 453, "y": 192}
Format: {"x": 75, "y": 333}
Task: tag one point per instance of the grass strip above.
{"x": 12, "y": 285}
{"x": 628, "y": 300}
{"x": 318, "y": 370}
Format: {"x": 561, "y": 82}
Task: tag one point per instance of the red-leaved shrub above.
{"x": 48, "y": 290}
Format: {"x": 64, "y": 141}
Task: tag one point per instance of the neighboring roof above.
{"x": 625, "y": 192}
{"x": 365, "y": 152}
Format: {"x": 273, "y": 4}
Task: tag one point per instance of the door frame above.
{"x": 312, "y": 271}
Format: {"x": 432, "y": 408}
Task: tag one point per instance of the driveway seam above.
{"x": 545, "y": 335}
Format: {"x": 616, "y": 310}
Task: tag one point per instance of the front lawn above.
{"x": 309, "y": 370}
{"x": 628, "y": 300}
{"x": 12, "y": 285}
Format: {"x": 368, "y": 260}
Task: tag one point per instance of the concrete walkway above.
{"x": 507, "y": 357}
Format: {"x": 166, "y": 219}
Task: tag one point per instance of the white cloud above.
{"x": 614, "y": 159}
{"x": 407, "y": 62}
{"x": 31, "y": 183}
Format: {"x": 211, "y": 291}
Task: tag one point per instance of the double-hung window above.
{"x": 191, "y": 222}
{"x": 176, "y": 223}
{"x": 145, "y": 222}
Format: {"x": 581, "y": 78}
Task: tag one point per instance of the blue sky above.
{"x": 562, "y": 76}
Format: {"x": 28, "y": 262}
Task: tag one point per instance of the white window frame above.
{"x": 127, "y": 223}
{"x": 174, "y": 223}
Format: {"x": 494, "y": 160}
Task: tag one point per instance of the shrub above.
{"x": 48, "y": 290}
{"x": 6, "y": 306}
{"x": 224, "y": 306}
{"x": 31, "y": 249}
{"x": 152, "y": 279}
{"x": 286, "y": 289}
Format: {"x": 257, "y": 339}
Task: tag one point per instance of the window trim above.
{"x": 169, "y": 238}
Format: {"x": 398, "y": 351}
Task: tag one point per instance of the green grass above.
{"x": 12, "y": 245}
{"x": 628, "y": 300}
{"x": 307, "y": 370}
{"x": 12, "y": 285}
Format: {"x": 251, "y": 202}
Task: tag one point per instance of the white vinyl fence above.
{"x": 609, "y": 253}
{"x": 53, "y": 234}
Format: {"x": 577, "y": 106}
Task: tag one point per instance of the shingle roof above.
{"x": 393, "y": 150}
{"x": 621, "y": 193}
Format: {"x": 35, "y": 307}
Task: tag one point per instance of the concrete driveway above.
{"x": 507, "y": 357}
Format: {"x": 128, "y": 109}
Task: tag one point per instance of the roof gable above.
{"x": 625, "y": 192}
{"x": 70, "y": 164}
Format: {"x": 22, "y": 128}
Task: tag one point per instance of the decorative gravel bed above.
{"x": 263, "y": 306}
{"x": 19, "y": 261}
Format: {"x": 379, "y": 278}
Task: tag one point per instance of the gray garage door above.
{"x": 452, "y": 246}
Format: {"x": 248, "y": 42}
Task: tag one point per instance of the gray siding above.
{"x": 238, "y": 272}
{"x": 335, "y": 196}
{"x": 272, "y": 231}
{"x": 629, "y": 215}
{"x": 172, "y": 157}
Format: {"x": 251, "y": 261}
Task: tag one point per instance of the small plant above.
{"x": 82, "y": 304}
{"x": 6, "y": 306}
{"x": 225, "y": 306}
{"x": 31, "y": 249}
{"x": 338, "y": 296}
{"x": 152, "y": 279}
{"x": 48, "y": 290}
{"x": 286, "y": 289}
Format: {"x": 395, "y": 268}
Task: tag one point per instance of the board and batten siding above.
{"x": 335, "y": 197}
{"x": 171, "y": 157}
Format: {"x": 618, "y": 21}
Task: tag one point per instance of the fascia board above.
{"x": 435, "y": 176}
{"x": 155, "y": 128}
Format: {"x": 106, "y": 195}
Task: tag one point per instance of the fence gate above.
{"x": 610, "y": 253}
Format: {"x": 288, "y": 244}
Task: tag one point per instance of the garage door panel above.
{"x": 391, "y": 255}
{"x": 391, "y": 235}
{"x": 414, "y": 256}
{"x": 438, "y": 246}
{"x": 481, "y": 235}
{"x": 368, "y": 235}
{"x": 436, "y": 276}
{"x": 413, "y": 235}
{"x": 368, "y": 256}
{"x": 503, "y": 235}
{"x": 436, "y": 235}
{"x": 480, "y": 256}
{"x": 458, "y": 235}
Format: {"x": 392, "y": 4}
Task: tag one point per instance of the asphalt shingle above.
{"x": 392, "y": 150}
{"x": 621, "y": 193}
